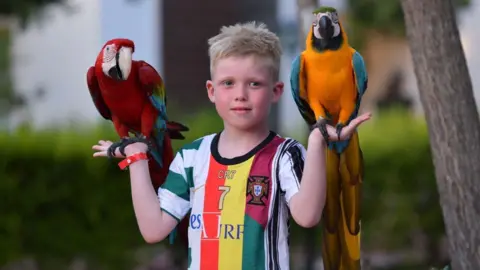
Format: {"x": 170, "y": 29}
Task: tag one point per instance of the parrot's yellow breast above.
{"x": 330, "y": 79}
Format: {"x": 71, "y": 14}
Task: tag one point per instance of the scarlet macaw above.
{"x": 328, "y": 80}
{"x": 132, "y": 95}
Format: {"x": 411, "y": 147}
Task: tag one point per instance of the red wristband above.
{"x": 131, "y": 159}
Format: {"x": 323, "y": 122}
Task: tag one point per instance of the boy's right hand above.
{"x": 102, "y": 147}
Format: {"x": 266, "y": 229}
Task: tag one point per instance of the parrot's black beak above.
{"x": 115, "y": 72}
{"x": 325, "y": 27}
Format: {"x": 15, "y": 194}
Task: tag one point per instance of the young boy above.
{"x": 240, "y": 184}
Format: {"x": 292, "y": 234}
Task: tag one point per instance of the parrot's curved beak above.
{"x": 123, "y": 64}
{"x": 325, "y": 28}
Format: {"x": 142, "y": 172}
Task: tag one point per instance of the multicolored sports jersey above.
{"x": 238, "y": 207}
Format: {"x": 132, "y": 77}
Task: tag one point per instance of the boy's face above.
{"x": 242, "y": 88}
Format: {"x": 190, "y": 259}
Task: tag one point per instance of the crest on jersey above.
{"x": 258, "y": 189}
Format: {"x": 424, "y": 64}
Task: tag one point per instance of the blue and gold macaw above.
{"x": 328, "y": 81}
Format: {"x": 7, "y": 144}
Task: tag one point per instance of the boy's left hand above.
{"x": 347, "y": 131}
{"x": 102, "y": 147}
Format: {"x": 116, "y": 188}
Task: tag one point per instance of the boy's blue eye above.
{"x": 254, "y": 84}
{"x": 228, "y": 83}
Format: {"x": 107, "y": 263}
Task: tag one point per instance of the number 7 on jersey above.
{"x": 224, "y": 190}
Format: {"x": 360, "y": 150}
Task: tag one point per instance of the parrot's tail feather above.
{"x": 331, "y": 249}
{"x": 175, "y": 135}
{"x": 350, "y": 203}
{"x": 161, "y": 157}
{"x": 341, "y": 217}
{"x": 350, "y": 247}
{"x": 175, "y": 129}
{"x": 351, "y": 174}
{"x": 176, "y": 126}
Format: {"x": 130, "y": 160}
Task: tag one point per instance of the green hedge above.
{"x": 58, "y": 202}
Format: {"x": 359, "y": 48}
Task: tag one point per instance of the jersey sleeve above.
{"x": 174, "y": 194}
{"x": 291, "y": 162}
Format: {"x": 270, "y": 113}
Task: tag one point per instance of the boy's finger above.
{"x": 100, "y": 154}
{"x": 348, "y": 130}
{"x": 98, "y": 147}
{"x": 360, "y": 119}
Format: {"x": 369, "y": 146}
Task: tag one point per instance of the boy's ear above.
{"x": 277, "y": 91}
{"x": 210, "y": 91}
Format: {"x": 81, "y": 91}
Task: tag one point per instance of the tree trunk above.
{"x": 453, "y": 122}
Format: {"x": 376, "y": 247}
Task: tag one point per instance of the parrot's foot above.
{"x": 131, "y": 140}
{"x": 111, "y": 150}
{"x": 339, "y": 128}
{"x": 322, "y": 126}
{"x": 126, "y": 141}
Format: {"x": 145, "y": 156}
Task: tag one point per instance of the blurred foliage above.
{"x": 24, "y": 10}
{"x": 59, "y": 203}
{"x": 7, "y": 94}
{"x": 384, "y": 16}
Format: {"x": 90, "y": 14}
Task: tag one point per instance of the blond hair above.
{"x": 245, "y": 39}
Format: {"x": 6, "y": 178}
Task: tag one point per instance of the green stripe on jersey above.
{"x": 253, "y": 245}
{"x": 176, "y": 184}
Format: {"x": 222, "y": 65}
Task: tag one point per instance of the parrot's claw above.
{"x": 339, "y": 127}
{"x": 131, "y": 140}
{"x": 111, "y": 150}
{"x": 322, "y": 126}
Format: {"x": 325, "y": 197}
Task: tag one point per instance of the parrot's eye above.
{"x": 334, "y": 17}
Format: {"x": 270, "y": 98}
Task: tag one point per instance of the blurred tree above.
{"x": 385, "y": 16}
{"x": 453, "y": 121}
{"x": 25, "y": 10}
{"x": 6, "y": 92}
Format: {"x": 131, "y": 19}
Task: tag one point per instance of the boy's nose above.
{"x": 241, "y": 93}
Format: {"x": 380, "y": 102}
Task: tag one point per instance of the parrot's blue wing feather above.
{"x": 361, "y": 80}
{"x": 295, "y": 84}
{"x": 360, "y": 71}
{"x": 158, "y": 100}
{"x": 160, "y": 124}
{"x": 152, "y": 82}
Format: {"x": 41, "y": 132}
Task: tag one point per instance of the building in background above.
{"x": 52, "y": 57}
{"x": 187, "y": 25}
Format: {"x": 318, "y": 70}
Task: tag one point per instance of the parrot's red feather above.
{"x": 96, "y": 94}
{"x": 148, "y": 75}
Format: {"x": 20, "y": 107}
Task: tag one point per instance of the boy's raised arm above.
{"x": 303, "y": 178}
{"x": 156, "y": 216}
{"x": 153, "y": 223}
